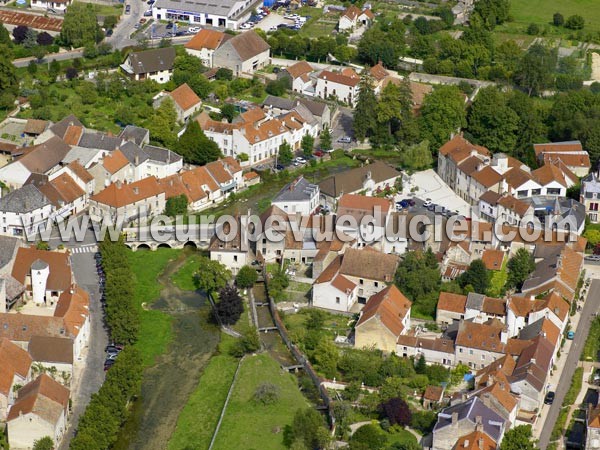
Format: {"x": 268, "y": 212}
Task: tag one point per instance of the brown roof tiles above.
{"x": 390, "y": 306}
{"x": 185, "y": 97}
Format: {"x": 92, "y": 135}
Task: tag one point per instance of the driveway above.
{"x": 91, "y": 371}
{"x": 590, "y": 307}
{"x": 122, "y": 32}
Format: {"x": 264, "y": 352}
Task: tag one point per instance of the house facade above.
{"x": 155, "y": 64}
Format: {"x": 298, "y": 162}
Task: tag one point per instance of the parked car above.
{"x": 345, "y": 139}
{"x": 279, "y": 167}
{"x": 319, "y": 153}
{"x": 169, "y": 26}
{"x": 301, "y": 160}
{"x": 593, "y": 257}
{"x": 109, "y": 32}
{"x": 148, "y": 13}
{"x": 193, "y": 29}
{"x": 128, "y": 9}
{"x": 571, "y": 335}
{"x": 427, "y": 203}
{"x": 549, "y": 399}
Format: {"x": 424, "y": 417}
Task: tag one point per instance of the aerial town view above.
{"x": 299, "y": 224}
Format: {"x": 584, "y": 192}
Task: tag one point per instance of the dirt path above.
{"x": 167, "y": 386}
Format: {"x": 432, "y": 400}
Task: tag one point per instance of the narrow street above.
{"x": 90, "y": 373}
{"x": 590, "y": 307}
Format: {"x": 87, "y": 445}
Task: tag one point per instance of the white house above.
{"x": 23, "y": 210}
{"x": 57, "y": 6}
{"x": 298, "y": 197}
{"x": 244, "y": 53}
{"x": 155, "y": 64}
{"x": 204, "y": 43}
{"x": 185, "y": 101}
{"x": 338, "y": 86}
{"x": 222, "y": 14}
{"x": 353, "y": 17}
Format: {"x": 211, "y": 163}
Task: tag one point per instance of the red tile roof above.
{"x": 389, "y": 306}
{"x": 118, "y": 195}
{"x": 185, "y": 97}
{"x": 115, "y": 161}
{"x": 452, "y": 302}
{"x": 493, "y": 259}
{"x": 338, "y": 78}
{"x": 206, "y": 38}
{"x": 60, "y": 277}
{"x": 298, "y": 69}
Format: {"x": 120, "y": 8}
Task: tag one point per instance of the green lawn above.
{"x": 540, "y": 12}
{"x": 107, "y": 10}
{"x": 400, "y": 436}
{"x": 184, "y": 277}
{"x": 199, "y": 417}
{"x": 155, "y": 329}
{"x": 334, "y": 323}
{"x": 592, "y": 344}
{"x": 498, "y": 281}
{"x": 248, "y": 425}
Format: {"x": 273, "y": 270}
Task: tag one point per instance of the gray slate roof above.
{"x": 100, "y": 141}
{"x": 23, "y": 200}
{"x": 135, "y": 134}
{"x": 352, "y": 180}
{"x": 317, "y": 108}
{"x": 60, "y": 128}
{"x": 161, "y": 154}
{"x": 492, "y": 423}
{"x": 80, "y": 154}
{"x": 296, "y": 191}
{"x": 134, "y": 154}
{"x": 153, "y": 60}
{"x": 8, "y": 246}
{"x": 475, "y": 301}
{"x": 279, "y": 102}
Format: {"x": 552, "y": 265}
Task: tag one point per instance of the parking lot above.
{"x": 428, "y": 185}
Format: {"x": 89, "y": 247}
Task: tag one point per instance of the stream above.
{"x": 168, "y": 384}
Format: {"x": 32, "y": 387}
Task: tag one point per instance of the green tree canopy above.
{"x": 477, "y": 276}
{"x": 308, "y": 144}
{"x": 176, "y": 205}
{"x": 195, "y": 147}
{"x": 211, "y": 275}
{"x": 45, "y": 443}
{"x": 308, "y": 428}
{"x": 418, "y": 277}
{"x": 519, "y": 267}
{"x": 325, "y": 140}
{"x": 80, "y": 26}
{"x": 535, "y": 71}
{"x": 417, "y": 156}
{"x": 246, "y": 277}
{"x": 365, "y": 113}
{"x": 285, "y": 154}
{"x": 518, "y": 438}
{"x": 442, "y": 114}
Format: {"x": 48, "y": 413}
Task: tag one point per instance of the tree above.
{"x": 71, "y": 73}
{"x": 80, "y": 26}
{"x": 20, "y": 33}
{"x": 442, "y": 114}
{"x": 266, "y": 393}
{"x": 325, "y": 140}
{"x": 228, "y": 111}
{"x": 230, "y": 306}
{"x": 558, "y": 19}
{"x": 308, "y": 143}
{"x": 491, "y": 12}
{"x": 477, "y": 276}
{"x": 285, "y": 154}
{"x": 326, "y": 356}
{"x": 224, "y": 74}
{"x": 308, "y": 428}
{"x": 110, "y": 22}
{"x": 365, "y": 113}
{"x": 211, "y": 275}
{"x": 421, "y": 366}
{"x": 408, "y": 445}
{"x": 396, "y": 411}
{"x": 4, "y": 35}
{"x": 368, "y": 437}
{"x": 575, "y": 22}
{"x": 8, "y": 79}
{"x": 32, "y": 67}
{"x": 418, "y": 277}
{"x": 44, "y": 38}
{"x": 535, "y": 69}
{"x": 54, "y": 69}
{"x": 518, "y": 438}
{"x": 276, "y": 87}
{"x": 45, "y": 443}
{"x": 195, "y": 147}
{"x": 246, "y": 277}
{"x": 176, "y": 206}
{"x": 519, "y": 267}
{"x": 248, "y": 343}
{"x": 423, "y": 421}
{"x": 417, "y": 156}
{"x": 533, "y": 29}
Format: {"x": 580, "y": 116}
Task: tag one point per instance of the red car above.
{"x": 319, "y": 153}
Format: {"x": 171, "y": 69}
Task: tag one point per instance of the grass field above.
{"x": 184, "y": 277}
{"x": 248, "y": 425}
{"x": 498, "y": 281}
{"x": 592, "y": 344}
{"x": 540, "y": 12}
{"x": 197, "y": 421}
{"x": 155, "y": 328}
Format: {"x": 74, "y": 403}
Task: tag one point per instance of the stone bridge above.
{"x": 195, "y": 236}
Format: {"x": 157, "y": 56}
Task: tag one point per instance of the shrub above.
{"x": 558, "y": 19}
{"x": 396, "y": 411}
{"x": 533, "y": 29}
{"x": 266, "y": 393}
{"x": 246, "y": 277}
{"x": 575, "y": 22}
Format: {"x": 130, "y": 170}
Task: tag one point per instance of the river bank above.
{"x": 168, "y": 384}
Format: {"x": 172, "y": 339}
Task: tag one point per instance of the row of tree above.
{"x": 100, "y": 424}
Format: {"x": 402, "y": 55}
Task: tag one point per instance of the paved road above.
{"x": 92, "y": 376}
{"x": 590, "y": 307}
{"x": 121, "y": 34}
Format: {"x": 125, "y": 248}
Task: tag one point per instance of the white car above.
{"x": 427, "y": 203}
{"x": 245, "y": 26}
{"x": 193, "y": 29}
{"x": 301, "y": 160}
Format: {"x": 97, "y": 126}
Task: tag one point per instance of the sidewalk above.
{"x": 552, "y": 381}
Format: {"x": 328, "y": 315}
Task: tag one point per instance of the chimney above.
{"x": 478, "y": 420}
{"x": 466, "y": 443}
{"x": 136, "y": 190}
{"x": 486, "y": 401}
{"x": 454, "y": 418}
{"x": 137, "y": 160}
